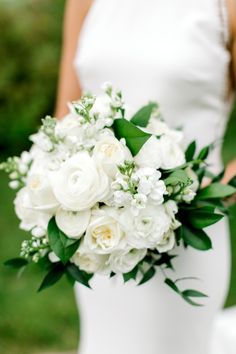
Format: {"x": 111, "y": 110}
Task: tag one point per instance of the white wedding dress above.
{"x": 173, "y": 52}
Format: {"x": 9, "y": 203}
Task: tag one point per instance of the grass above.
{"x": 32, "y": 322}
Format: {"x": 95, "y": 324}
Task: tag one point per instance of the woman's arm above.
{"x": 68, "y": 86}
{"x": 231, "y": 168}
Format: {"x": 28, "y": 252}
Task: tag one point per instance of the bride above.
{"x": 181, "y": 53}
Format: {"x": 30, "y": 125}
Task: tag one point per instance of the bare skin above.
{"x": 69, "y": 87}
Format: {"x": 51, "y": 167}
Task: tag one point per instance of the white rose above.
{"x": 79, "y": 183}
{"x": 167, "y": 243}
{"x": 125, "y": 261}
{"x": 104, "y": 234}
{"x": 73, "y": 223}
{"x": 158, "y": 127}
{"x": 41, "y": 193}
{"x": 110, "y": 152}
{"x": 171, "y": 153}
{"x": 89, "y": 261}
{"x": 148, "y": 228}
{"x": 150, "y": 154}
{"x": 27, "y": 214}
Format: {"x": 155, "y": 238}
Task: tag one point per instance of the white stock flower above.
{"x": 125, "y": 261}
{"x": 68, "y": 126}
{"x": 149, "y": 154}
{"x": 171, "y": 154}
{"x": 104, "y": 234}
{"x": 148, "y": 228}
{"x": 27, "y": 214}
{"x": 110, "y": 152}
{"x": 79, "y": 184}
{"x": 73, "y": 223}
{"x": 101, "y": 107}
{"x": 42, "y": 141}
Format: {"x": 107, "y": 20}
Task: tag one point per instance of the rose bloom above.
{"x": 148, "y": 228}
{"x": 125, "y": 261}
{"x": 80, "y": 183}
{"x": 110, "y": 152}
{"x": 104, "y": 233}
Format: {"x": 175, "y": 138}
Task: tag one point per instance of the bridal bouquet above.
{"x": 103, "y": 194}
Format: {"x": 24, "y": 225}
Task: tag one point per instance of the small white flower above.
{"x": 26, "y": 157}
{"x": 14, "y": 184}
{"x": 23, "y": 168}
{"x": 121, "y": 198}
{"x": 53, "y": 257}
{"x": 38, "y": 231}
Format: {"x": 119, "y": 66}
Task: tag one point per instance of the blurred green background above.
{"x": 30, "y": 50}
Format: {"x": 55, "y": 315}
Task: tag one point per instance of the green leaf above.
{"x": 130, "y": 275}
{"x": 232, "y": 182}
{"x": 219, "y": 177}
{"x": 63, "y": 246}
{"x": 178, "y": 176}
{"x": 189, "y": 153}
{"x": 142, "y": 117}
{"x": 200, "y": 218}
{"x": 172, "y": 285}
{"x": 203, "y": 154}
{"x": 16, "y": 263}
{"x": 196, "y": 238}
{"x": 191, "y": 302}
{"x": 53, "y": 276}
{"x": 215, "y": 190}
{"x": 135, "y": 138}
{"x": 165, "y": 259}
{"x": 147, "y": 275}
{"x": 193, "y": 293}
{"x": 189, "y": 293}
{"x": 79, "y": 275}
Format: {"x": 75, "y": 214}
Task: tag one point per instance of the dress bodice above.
{"x": 170, "y": 51}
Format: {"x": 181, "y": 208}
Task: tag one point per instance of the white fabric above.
{"x": 170, "y": 51}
